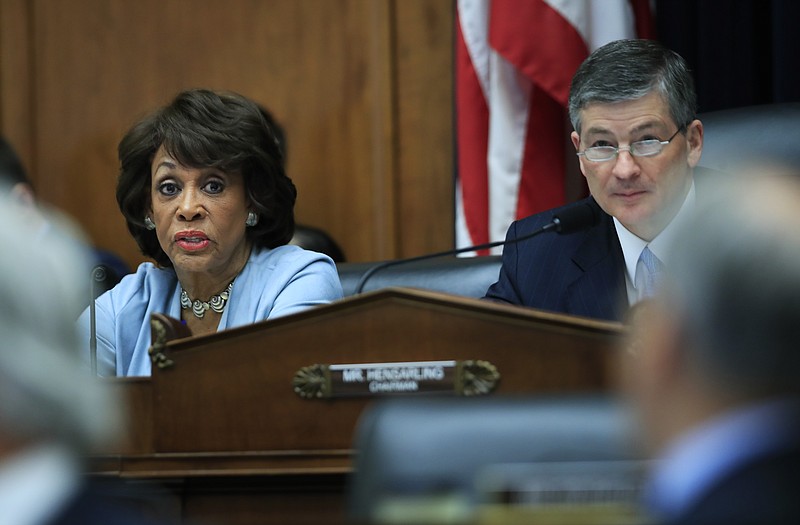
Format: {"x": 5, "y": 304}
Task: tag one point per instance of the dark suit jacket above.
{"x": 763, "y": 491}
{"x": 581, "y": 273}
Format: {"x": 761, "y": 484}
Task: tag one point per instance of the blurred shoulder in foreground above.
{"x": 51, "y": 414}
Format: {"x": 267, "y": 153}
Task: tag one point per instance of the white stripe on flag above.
{"x": 508, "y": 120}
{"x": 463, "y": 238}
{"x": 598, "y": 21}
{"x": 474, "y": 18}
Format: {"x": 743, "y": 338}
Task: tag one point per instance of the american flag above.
{"x": 514, "y": 64}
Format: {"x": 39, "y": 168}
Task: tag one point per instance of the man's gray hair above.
{"x": 46, "y": 392}
{"x": 625, "y": 70}
{"x": 736, "y": 281}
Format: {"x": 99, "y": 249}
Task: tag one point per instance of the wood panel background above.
{"x": 363, "y": 89}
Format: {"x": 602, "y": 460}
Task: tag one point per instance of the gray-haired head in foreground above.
{"x": 736, "y": 285}
{"x": 46, "y": 392}
{"x": 625, "y": 70}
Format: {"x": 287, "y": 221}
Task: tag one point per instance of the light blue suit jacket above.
{"x": 273, "y": 283}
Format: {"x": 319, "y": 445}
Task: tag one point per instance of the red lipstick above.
{"x": 191, "y": 240}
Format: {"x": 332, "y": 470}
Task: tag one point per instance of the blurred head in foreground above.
{"x": 16, "y": 185}
{"x": 714, "y": 373}
{"x": 46, "y": 397}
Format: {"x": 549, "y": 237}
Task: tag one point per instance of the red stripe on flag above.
{"x": 473, "y": 139}
{"x": 543, "y": 164}
{"x": 539, "y": 42}
{"x": 645, "y": 24}
{"x": 547, "y": 49}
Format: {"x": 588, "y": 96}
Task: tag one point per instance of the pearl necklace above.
{"x": 199, "y": 308}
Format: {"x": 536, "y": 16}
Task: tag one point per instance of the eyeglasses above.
{"x": 640, "y": 148}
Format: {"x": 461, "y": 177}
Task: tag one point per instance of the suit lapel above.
{"x": 598, "y": 289}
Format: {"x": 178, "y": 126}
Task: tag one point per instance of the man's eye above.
{"x": 600, "y": 144}
{"x": 168, "y": 188}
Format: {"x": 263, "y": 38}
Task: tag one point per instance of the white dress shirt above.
{"x": 632, "y": 245}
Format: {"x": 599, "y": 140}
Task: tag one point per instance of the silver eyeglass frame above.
{"x": 630, "y": 148}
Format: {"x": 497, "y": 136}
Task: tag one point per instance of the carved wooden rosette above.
{"x": 158, "y": 346}
{"x": 162, "y": 330}
{"x": 312, "y": 382}
{"x": 476, "y": 377}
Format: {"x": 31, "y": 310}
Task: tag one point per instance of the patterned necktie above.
{"x": 649, "y": 271}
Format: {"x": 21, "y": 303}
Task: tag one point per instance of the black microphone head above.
{"x": 100, "y": 272}
{"x": 103, "y": 279}
{"x": 577, "y": 217}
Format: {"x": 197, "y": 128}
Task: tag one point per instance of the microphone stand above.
{"x": 371, "y": 271}
{"x": 569, "y": 219}
{"x": 98, "y": 276}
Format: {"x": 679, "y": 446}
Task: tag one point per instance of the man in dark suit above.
{"x": 51, "y": 412}
{"x": 632, "y": 105}
{"x": 714, "y": 367}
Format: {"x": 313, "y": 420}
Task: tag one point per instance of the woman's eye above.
{"x": 214, "y": 187}
{"x": 168, "y": 188}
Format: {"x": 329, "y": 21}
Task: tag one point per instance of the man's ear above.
{"x": 652, "y": 356}
{"x": 654, "y": 375}
{"x": 694, "y": 138}
{"x": 576, "y": 141}
{"x": 668, "y": 340}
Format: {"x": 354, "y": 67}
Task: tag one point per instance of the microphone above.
{"x": 576, "y": 217}
{"x": 99, "y": 274}
{"x": 569, "y": 219}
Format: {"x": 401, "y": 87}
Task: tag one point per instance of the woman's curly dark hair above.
{"x": 200, "y": 129}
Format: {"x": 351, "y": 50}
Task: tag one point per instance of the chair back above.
{"x": 464, "y": 276}
{"x": 757, "y": 135}
{"x": 412, "y": 448}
